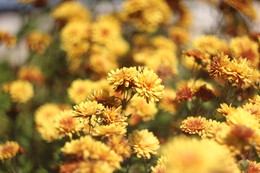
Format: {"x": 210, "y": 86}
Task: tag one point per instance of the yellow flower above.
{"x": 109, "y": 130}
{"x": 79, "y": 90}
{"x": 9, "y": 150}
{"x": 179, "y": 35}
{"x": 161, "y": 165}
{"x": 144, "y": 143}
{"x": 253, "y": 167}
{"x": 139, "y": 109}
{"x": 168, "y": 102}
{"x": 187, "y": 155}
{"x": 7, "y": 38}
{"x": 122, "y": 79}
{"x": 194, "y": 125}
{"x": 113, "y": 115}
{"x": 31, "y": 73}
{"x": 103, "y": 97}
{"x": 210, "y": 44}
{"x": 21, "y": 91}
{"x": 38, "y": 41}
{"x": 148, "y": 85}
{"x": 87, "y": 109}
{"x": 120, "y": 145}
{"x": 70, "y": 11}
{"x": 89, "y": 149}
{"x": 66, "y": 124}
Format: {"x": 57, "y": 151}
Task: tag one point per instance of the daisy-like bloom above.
{"x": 144, "y": 143}
{"x": 75, "y": 37}
{"x": 66, "y": 124}
{"x": 148, "y": 85}
{"x": 44, "y": 119}
{"x": 113, "y": 115}
{"x": 225, "y": 109}
{"x": 191, "y": 155}
{"x": 160, "y": 166}
{"x": 21, "y": 91}
{"x": 253, "y": 167}
{"x": 237, "y": 71}
{"x": 210, "y": 44}
{"x": 104, "y": 98}
{"x": 89, "y": 149}
{"x": 246, "y": 7}
{"x": 70, "y": 11}
{"x": 179, "y": 35}
{"x": 140, "y": 110}
{"x": 109, "y": 130}
{"x": 9, "y": 150}
{"x": 79, "y": 90}
{"x": 31, "y": 73}
{"x": 246, "y": 48}
{"x": 146, "y": 15}
{"x": 87, "y": 109}
{"x": 38, "y": 41}
{"x": 120, "y": 145}
{"x": 7, "y": 38}
{"x": 168, "y": 102}
{"x": 194, "y": 125}
{"x": 122, "y": 79}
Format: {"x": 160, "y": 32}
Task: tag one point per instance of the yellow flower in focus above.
{"x": 31, "y": 73}
{"x": 103, "y": 97}
{"x": 79, "y": 90}
{"x": 144, "y": 143}
{"x": 87, "y": 109}
{"x": 187, "y": 155}
{"x": 70, "y": 11}
{"x": 66, "y": 124}
{"x": 8, "y": 150}
{"x": 122, "y": 79}
{"x": 194, "y": 125}
{"x": 21, "y": 91}
{"x": 109, "y": 130}
{"x": 38, "y": 41}
{"x": 148, "y": 85}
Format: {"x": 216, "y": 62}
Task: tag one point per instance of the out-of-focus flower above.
{"x": 79, "y": 90}
{"x": 38, "y": 41}
{"x": 7, "y": 38}
{"x": 120, "y": 145}
{"x": 161, "y": 165}
{"x": 148, "y": 85}
{"x": 21, "y": 91}
{"x": 8, "y": 150}
{"x": 244, "y": 47}
{"x": 31, "y": 73}
{"x": 194, "y": 125}
{"x": 187, "y": 155}
{"x": 253, "y": 167}
{"x": 70, "y": 11}
{"x": 179, "y": 35}
{"x": 146, "y": 15}
{"x": 168, "y": 103}
{"x": 144, "y": 143}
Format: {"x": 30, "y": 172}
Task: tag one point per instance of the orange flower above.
{"x": 194, "y": 125}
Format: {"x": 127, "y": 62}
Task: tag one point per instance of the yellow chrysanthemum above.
{"x": 103, "y": 97}
{"x": 79, "y": 90}
{"x": 66, "y": 124}
{"x": 144, "y": 143}
{"x": 38, "y": 41}
{"x": 21, "y": 91}
{"x": 161, "y": 165}
{"x": 31, "y": 73}
{"x": 89, "y": 149}
{"x": 113, "y": 115}
{"x": 87, "y": 109}
{"x": 120, "y": 145}
{"x": 9, "y": 150}
{"x": 253, "y": 167}
{"x": 194, "y": 125}
{"x": 122, "y": 79}
{"x": 70, "y": 11}
{"x": 109, "y": 130}
{"x": 187, "y": 155}
{"x": 210, "y": 44}
{"x": 148, "y": 85}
